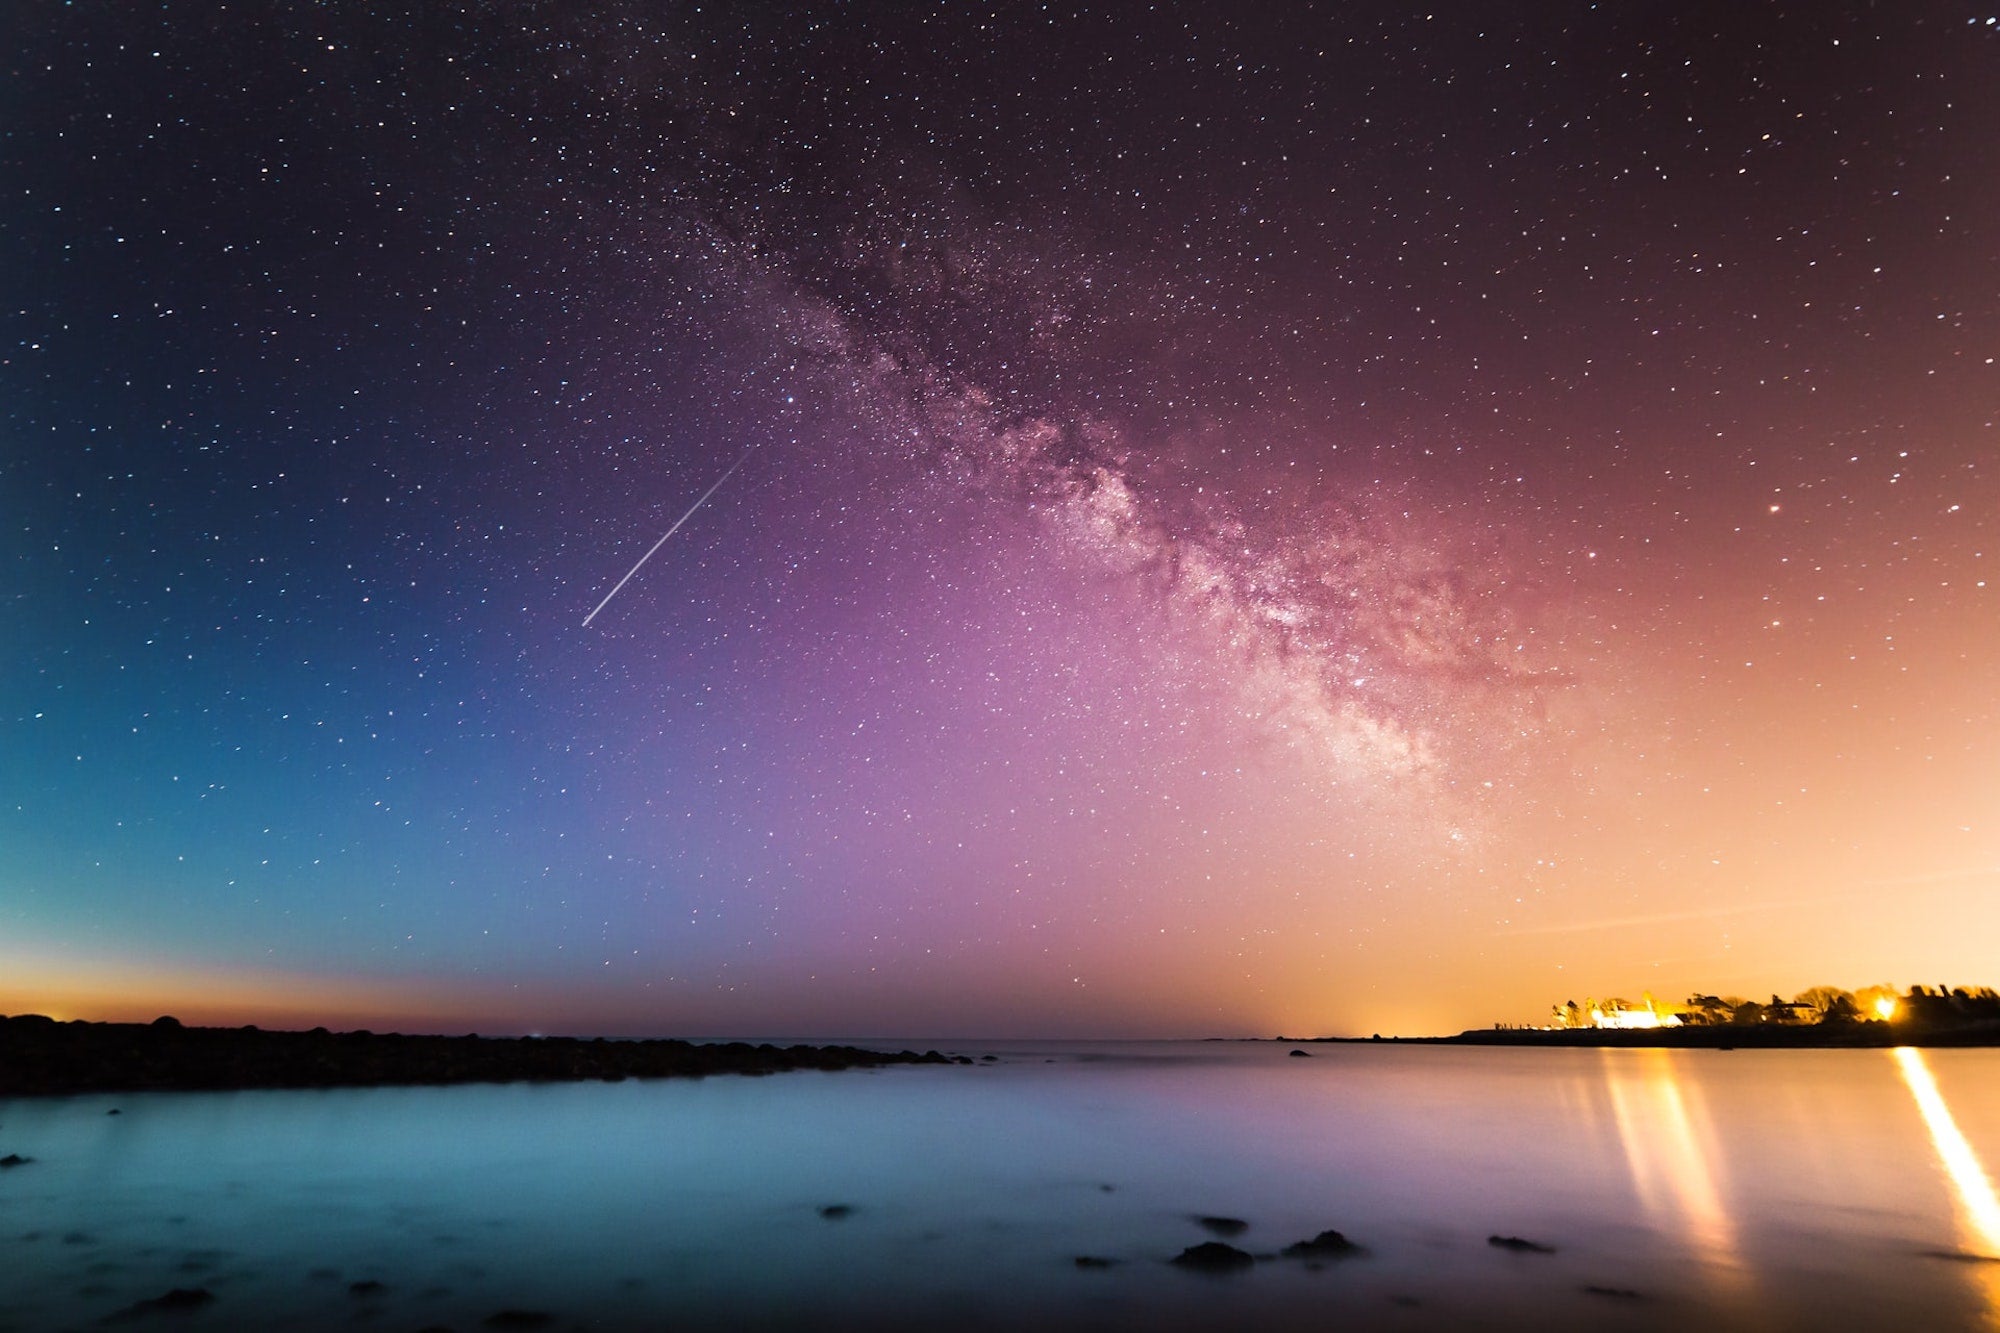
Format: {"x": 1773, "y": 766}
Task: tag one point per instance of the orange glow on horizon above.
{"x": 127, "y": 993}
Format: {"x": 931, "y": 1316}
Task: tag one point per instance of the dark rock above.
{"x": 519, "y": 1319}
{"x": 1961, "y": 1256}
{"x": 1614, "y": 1293}
{"x": 1095, "y": 1261}
{"x": 1302, "y": 1055}
{"x": 1519, "y": 1245}
{"x": 179, "y": 1300}
{"x": 166, "y": 1023}
{"x": 14, "y": 1159}
{"x": 1326, "y": 1245}
{"x": 366, "y": 1287}
{"x": 833, "y": 1212}
{"x": 50, "y": 1058}
{"x": 114, "y": 1111}
{"x": 1223, "y": 1226}
{"x": 1108, "y": 1189}
{"x": 989, "y": 1059}
{"x": 1212, "y": 1256}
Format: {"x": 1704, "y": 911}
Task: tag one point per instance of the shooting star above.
{"x": 668, "y": 533}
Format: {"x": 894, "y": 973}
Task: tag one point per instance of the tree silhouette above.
{"x": 1823, "y": 999}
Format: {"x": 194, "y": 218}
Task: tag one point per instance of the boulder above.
{"x": 180, "y": 1300}
{"x": 1326, "y": 1245}
{"x": 1212, "y": 1256}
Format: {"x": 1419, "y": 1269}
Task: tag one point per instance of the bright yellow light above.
{"x": 1886, "y": 1006}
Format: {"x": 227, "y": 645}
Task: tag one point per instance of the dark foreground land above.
{"x": 1805, "y": 1036}
{"x": 39, "y": 1056}
{"x": 1771, "y": 1037}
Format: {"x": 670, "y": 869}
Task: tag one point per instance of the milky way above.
{"x": 1364, "y": 519}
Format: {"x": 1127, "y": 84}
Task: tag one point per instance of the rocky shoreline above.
{"x": 1815, "y": 1036}
{"x": 42, "y": 1057}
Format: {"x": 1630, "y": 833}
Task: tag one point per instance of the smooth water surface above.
{"x": 1680, "y": 1189}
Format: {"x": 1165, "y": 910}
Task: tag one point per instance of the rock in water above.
{"x": 1223, "y": 1226}
{"x": 1213, "y": 1256}
{"x": 1519, "y": 1245}
{"x": 179, "y": 1300}
{"x": 1302, "y": 1055}
{"x": 1326, "y": 1245}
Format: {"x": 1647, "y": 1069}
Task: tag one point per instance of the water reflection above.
{"x": 1972, "y": 1190}
{"x": 1683, "y": 1190}
{"x": 1672, "y": 1158}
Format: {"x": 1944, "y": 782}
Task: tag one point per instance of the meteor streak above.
{"x": 668, "y": 533}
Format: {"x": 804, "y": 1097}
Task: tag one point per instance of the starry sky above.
{"x": 1322, "y": 519}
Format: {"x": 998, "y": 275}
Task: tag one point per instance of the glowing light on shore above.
{"x": 1886, "y": 1006}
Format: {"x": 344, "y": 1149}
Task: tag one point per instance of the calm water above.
{"x": 1725, "y": 1190}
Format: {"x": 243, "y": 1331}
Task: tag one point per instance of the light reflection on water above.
{"x": 1747, "y": 1190}
{"x": 1673, "y": 1159}
{"x": 1978, "y": 1210}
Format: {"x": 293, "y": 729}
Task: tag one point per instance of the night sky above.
{"x": 1368, "y": 517}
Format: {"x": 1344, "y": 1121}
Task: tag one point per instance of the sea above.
{"x": 1637, "y": 1189}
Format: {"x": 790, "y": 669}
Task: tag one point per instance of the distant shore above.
{"x": 1809, "y": 1037}
{"x": 42, "y": 1057}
